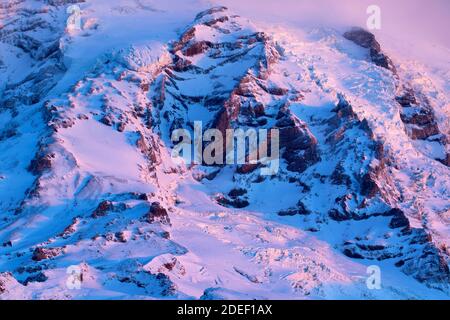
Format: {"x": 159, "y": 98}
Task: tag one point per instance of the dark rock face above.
{"x": 433, "y": 269}
{"x": 399, "y": 220}
{"x": 382, "y": 60}
{"x": 300, "y": 209}
{"x": 420, "y": 120}
{"x": 150, "y": 148}
{"x": 55, "y": 120}
{"x": 346, "y": 121}
{"x": 107, "y": 121}
{"x": 446, "y": 161}
{"x": 41, "y": 163}
{"x": 369, "y": 186}
{"x": 300, "y": 145}
{"x": 69, "y": 229}
{"x": 168, "y": 287}
{"x": 235, "y": 193}
{"x": 233, "y": 203}
{"x": 363, "y": 38}
{"x": 121, "y": 237}
{"x": 40, "y": 254}
{"x": 197, "y": 48}
{"x": 247, "y": 168}
{"x": 102, "y": 209}
{"x": 342, "y": 210}
{"x": 157, "y": 213}
{"x": 359, "y": 250}
{"x": 7, "y": 244}
{"x": 339, "y": 177}
{"x": 425, "y": 262}
{"x": 237, "y": 198}
{"x": 39, "y": 277}
{"x": 408, "y": 99}
{"x": 417, "y": 115}
{"x": 352, "y": 254}
{"x": 240, "y": 107}
{"x": 367, "y": 40}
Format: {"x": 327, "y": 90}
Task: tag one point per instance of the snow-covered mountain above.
{"x": 88, "y": 184}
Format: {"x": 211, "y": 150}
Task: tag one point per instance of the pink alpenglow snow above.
{"x": 336, "y": 184}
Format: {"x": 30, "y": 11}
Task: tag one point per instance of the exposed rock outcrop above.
{"x": 367, "y": 40}
{"x": 157, "y": 213}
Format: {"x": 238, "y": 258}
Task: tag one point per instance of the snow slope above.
{"x": 86, "y": 177}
